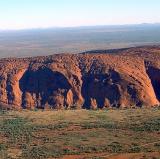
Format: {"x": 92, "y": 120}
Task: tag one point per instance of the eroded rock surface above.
{"x": 129, "y": 77}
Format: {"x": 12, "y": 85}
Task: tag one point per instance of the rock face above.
{"x": 128, "y": 77}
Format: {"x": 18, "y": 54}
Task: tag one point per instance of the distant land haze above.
{"x": 37, "y": 42}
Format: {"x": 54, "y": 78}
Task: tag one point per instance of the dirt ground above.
{"x": 80, "y": 134}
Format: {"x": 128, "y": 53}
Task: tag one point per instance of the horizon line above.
{"x": 78, "y": 26}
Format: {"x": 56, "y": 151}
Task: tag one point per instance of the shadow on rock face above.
{"x": 44, "y": 87}
{"x": 101, "y": 90}
{"x": 154, "y": 75}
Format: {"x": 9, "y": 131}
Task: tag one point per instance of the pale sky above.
{"x": 23, "y": 14}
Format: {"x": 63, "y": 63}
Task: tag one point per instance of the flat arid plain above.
{"x": 41, "y": 42}
{"x": 80, "y": 134}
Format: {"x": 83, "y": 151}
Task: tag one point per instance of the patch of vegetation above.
{"x": 3, "y": 151}
{"x": 17, "y": 130}
{"x": 42, "y": 152}
{"x": 135, "y": 148}
{"x": 38, "y": 152}
{"x": 90, "y": 149}
{"x": 57, "y": 126}
{"x": 115, "y": 147}
{"x": 149, "y": 126}
{"x": 99, "y": 124}
{"x": 157, "y": 145}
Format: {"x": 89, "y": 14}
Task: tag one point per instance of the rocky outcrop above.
{"x": 129, "y": 77}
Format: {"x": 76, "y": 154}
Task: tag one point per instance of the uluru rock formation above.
{"x": 127, "y": 77}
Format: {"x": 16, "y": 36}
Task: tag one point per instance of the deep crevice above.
{"x": 101, "y": 87}
{"x": 154, "y": 75}
{"x": 45, "y": 87}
